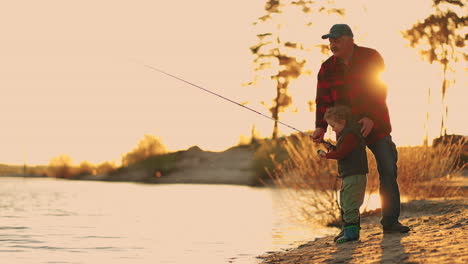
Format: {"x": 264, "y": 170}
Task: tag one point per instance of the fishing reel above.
{"x": 329, "y": 146}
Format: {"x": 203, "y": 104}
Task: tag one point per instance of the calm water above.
{"x": 58, "y": 221}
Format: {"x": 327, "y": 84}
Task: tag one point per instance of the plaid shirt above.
{"x": 358, "y": 86}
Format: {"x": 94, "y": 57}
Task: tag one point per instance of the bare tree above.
{"x": 276, "y": 55}
{"x": 440, "y": 40}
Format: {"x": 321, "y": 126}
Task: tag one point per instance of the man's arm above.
{"x": 350, "y": 141}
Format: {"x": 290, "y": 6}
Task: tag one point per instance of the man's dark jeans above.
{"x": 386, "y": 155}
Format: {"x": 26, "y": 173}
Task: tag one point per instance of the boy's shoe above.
{"x": 396, "y": 228}
{"x": 339, "y": 235}
{"x": 350, "y": 233}
{"x": 342, "y": 230}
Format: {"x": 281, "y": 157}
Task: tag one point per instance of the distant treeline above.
{"x": 10, "y": 169}
{"x": 62, "y": 166}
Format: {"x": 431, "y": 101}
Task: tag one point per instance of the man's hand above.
{"x": 318, "y": 135}
{"x": 367, "y": 125}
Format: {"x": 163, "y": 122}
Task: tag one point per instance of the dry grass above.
{"x": 312, "y": 183}
{"x": 424, "y": 171}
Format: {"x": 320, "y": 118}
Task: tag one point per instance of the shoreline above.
{"x": 439, "y": 234}
{"x": 192, "y": 166}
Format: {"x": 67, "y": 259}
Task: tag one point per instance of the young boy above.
{"x": 352, "y": 167}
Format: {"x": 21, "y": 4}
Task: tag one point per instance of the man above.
{"x": 351, "y": 77}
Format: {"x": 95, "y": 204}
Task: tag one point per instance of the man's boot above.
{"x": 396, "y": 228}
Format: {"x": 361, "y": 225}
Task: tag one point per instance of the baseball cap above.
{"x": 338, "y": 30}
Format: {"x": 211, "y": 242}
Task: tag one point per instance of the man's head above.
{"x": 337, "y": 116}
{"x": 341, "y": 40}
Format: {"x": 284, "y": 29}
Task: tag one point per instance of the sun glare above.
{"x": 371, "y": 202}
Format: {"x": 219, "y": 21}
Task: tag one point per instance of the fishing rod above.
{"x": 328, "y": 144}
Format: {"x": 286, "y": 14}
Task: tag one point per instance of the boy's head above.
{"x": 337, "y": 116}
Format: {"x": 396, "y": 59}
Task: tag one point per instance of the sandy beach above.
{"x": 439, "y": 234}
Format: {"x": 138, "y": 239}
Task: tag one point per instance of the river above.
{"x": 59, "y": 221}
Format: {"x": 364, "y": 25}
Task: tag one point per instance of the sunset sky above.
{"x": 74, "y": 81}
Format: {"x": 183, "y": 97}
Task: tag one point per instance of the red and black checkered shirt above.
{"x": 358, "y": 86}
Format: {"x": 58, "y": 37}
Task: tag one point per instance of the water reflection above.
{"x": 47, "y": 220}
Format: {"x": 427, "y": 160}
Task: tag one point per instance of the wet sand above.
{"x": 439, "y": 234}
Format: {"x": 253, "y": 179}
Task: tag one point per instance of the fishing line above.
{"x": 234, "y": 102}
{"x": 227, "y": 99}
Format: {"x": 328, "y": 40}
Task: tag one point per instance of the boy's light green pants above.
{"x": 353, "y": 188}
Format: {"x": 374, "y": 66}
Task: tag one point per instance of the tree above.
{"x": 105, "y": 167}
{"x": 440, "y": 40}
{"x": 86, "y": 168}
{"x": 276, "y": 58}
{"x": 60, "y": 167}
{"x": 149, "y": 146}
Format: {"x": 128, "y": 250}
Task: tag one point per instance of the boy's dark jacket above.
{"x": 356, "y": 161}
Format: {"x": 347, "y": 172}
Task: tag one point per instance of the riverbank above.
{"x": 194, "y": 165}
{"x": 439, "y": 234}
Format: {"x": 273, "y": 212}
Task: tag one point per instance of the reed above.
{"x": 312, "y": 184}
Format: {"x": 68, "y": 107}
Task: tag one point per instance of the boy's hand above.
{"x": 321, "y": 153}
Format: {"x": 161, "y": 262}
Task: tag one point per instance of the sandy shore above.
{"x": 439, "y": 234}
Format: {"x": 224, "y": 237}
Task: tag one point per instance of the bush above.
{"x": 60, "y": 167}
{"x": 149, "y": 146}
{"x": 423, "y": 171}
{"x": 267, "y": 155}
{"x": 311, "y": 182}
{"x": 105, "y": 167}
{"x": 454, "y": 140}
